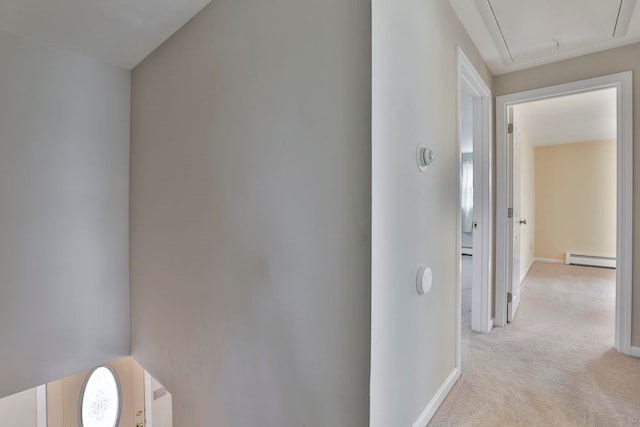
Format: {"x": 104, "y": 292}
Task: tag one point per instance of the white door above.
{"x": 158, "y": 406}
{"x": 514, "y": 219}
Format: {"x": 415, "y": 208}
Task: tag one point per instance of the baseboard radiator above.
{"x": 576, "y": 258}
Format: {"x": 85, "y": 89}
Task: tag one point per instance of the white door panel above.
{"x": 513, "y": 286}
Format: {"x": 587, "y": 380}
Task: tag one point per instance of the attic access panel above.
{"x": 526, "y": 29}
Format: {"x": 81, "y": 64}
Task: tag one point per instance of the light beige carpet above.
{"x": 555, "y": 365}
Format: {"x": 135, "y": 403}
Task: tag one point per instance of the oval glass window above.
{"x": 100, "y": 405}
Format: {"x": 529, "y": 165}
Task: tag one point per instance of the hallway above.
{"x": 554, "y": 365}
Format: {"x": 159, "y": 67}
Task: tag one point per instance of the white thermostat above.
{"x": 424, "y": 157}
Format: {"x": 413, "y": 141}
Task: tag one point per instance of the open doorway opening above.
{"x": 564, "y": 210}
{"x": 561, "y": 220}
{"x": 474, "y": 203}
{"x": 568, "y": 179}
{"x": 466, "y": 204}
{"x": 466, "y": 173}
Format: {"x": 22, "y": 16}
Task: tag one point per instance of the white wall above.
{"x": 413, "y": 343}
{"x": 251, "y": 207}
{"x": 19, "y": 410}
{"x": 161, "y": 408}
{"x": 64, "y": 151}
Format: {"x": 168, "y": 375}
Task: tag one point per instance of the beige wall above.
{"x": 527, "y": 203}
{"x": 576, "y": 199}
{"x": 597, "y": 64}
{"x": 414, "y": 214}
{"x": 251, "y": 214}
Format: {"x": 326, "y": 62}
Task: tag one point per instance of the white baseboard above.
{"x": 549, "y": 260}
{"x": 635, "y": 351}
{"x": 437, "y": 400}
{"x": 524, "y": 275}
{"x": 590, "y": 260}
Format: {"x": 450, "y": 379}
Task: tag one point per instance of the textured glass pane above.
{"x": 100, "y": 400}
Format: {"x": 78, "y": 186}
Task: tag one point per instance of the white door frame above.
{"x": 148, "y": 400}
{"x": 481, "y": 298}
{"x": 623, "y": 82}
{"x": 41, "y": 406}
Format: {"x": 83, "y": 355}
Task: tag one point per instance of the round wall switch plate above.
{"x": 424, "y": 279}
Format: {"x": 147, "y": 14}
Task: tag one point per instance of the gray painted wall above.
{"x": 250, "y": 214}
{"x": 64, "y": 170}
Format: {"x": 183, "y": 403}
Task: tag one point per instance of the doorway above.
{"x": 474, "y": 199}
{"x": 507, "y": 220}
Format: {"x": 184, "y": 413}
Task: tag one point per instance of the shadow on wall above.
{"x": 121, "y": 391}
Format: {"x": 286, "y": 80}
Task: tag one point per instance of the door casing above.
{"x": 482, "y": 320}
{"x": 623, "y": 82}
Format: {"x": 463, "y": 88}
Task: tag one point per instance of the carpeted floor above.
{"x": 555, "y": 365}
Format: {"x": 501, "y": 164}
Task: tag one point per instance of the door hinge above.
{"x": 510, "y": 128}
{"x": 509, "y": 297}
{"x": 509, "y": 212}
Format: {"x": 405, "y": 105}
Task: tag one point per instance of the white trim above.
{"x": 624, "y": 17}
{"x": 484, "y": 215}
{"x": 576, "y": 258}
{"x": 623, "y": 82}
{"x": 482, "y": 249}
{"x": 624, "y": 246}
{"x": 635, "y": 352}
{"x": 148, "y": 400}
{"x": 437, "y": 400}
{"x": 526, "y": 272}
{"x": 490, "y": 23}
{"x": 467, "y": 251}
{"x": 459, "y": 227}
{"x": 482, "y": 245}
{"x": 549, "y": 260}
{"x": 41, "y": 406}
{"x": 501, "y": 215}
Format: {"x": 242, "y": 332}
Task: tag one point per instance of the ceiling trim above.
{"x": 624, "y": 30}
{"x": 488, "y": 14}
{"x": 490, "y": 20}
{"x": 624, "y": 17}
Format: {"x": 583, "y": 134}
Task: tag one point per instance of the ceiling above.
{"x": 587, "y": 116}
{"x": 121, "y": 32}
{"x": 516, "y": 34}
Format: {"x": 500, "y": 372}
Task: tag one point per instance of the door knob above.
{"x": 523, "y": 221}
